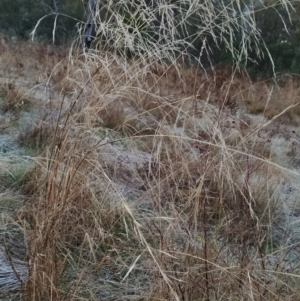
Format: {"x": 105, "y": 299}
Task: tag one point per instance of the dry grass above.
{"x": 155, "y": 183}
{"x": 148, "y": 195}
{"x": 14, "y": 100}
{"x": 270, "y": 98}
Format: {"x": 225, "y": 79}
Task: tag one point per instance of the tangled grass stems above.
{"x": 171, "y": 216}
{"x": 194, "y": 197}
{"x": 156, "y": 184}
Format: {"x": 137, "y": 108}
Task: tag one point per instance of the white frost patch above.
{"x": 280, "y": 148}
{"x": 12, "y": 273}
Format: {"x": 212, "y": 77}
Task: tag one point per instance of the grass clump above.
{"x": 12, "y": 178}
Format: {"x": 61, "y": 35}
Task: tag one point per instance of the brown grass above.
{"x": 270, "y": 99}
{"x": 14, "y": 99}
{"x": 157, "y": 184}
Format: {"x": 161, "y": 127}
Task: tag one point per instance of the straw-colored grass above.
{"x": 158, "y": 181}
{"x": 148, "y": 196}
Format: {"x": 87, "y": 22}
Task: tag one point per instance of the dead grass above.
{"x": 38, "y": 133}
{"x": 156, "y": 184}
{"x": 270, "y": 99}
{"x": 14, "y": 99}
{"x": 208, "y": 219}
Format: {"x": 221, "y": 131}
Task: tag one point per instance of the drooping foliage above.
{"x": 19, "y": 17}
{"x": 208, "y": 31}
{"x": 163, "y": 30}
